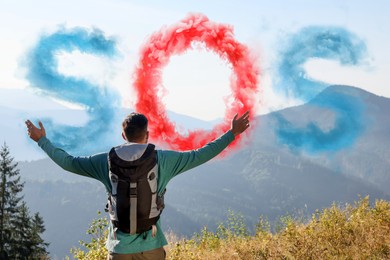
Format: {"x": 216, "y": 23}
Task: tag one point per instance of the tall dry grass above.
{"x": 358, "y": 231}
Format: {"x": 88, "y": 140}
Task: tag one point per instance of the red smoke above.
{"x": 174, "y": 40}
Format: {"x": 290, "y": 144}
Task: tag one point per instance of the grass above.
{"x": 358, "y": 231}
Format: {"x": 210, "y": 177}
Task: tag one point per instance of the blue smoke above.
{"x": 327, "y": 43}
{"x": 333, "y": 43}
{"x": 100, "y": 103}
{"x": 347, "y": 126}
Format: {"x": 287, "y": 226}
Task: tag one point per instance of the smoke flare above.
{"x": 100, "y": 104}
{"x": 175, "y": 40}
{"x": 319, "y": 42}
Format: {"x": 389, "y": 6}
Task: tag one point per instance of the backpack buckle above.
{"x": 133, "y": 190}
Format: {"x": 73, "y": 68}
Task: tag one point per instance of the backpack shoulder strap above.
{"x": 133, "y": 210}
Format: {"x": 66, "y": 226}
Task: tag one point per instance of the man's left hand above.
{"x": 240, "y": 124}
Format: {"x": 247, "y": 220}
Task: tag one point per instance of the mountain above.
{"x": 368, "y": 159}
{"x": 266, "y": 176}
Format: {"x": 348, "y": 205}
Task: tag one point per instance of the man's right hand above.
{"x": 34, "y": 132}
{"x": 239, "y": 125}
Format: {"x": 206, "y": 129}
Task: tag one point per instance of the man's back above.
{"x": 170, "y": 164}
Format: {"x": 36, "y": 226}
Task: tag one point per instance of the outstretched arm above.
{"x": 174, "y": 162}
{"x": 91, "y": 166}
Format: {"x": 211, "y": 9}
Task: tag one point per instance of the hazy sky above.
{"x": 196, "y": 82}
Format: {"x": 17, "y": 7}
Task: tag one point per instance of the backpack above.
{"x": 134, "y": 204}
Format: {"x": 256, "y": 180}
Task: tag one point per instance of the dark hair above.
{"x": 135, "y": 126}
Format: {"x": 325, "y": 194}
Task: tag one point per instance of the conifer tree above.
{"x": 20, "y": 234}
{"x": 19, "y": 239}
{"x": 10, "y": 187}
{"x": 38, "y": 245}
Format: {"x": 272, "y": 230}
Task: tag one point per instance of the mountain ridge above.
{"x": 264, "y": 177}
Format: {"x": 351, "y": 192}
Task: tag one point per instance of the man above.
{"x": 170, "y": 163}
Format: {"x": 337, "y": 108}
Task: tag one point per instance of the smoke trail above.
{"x": 175, "y": 40}
{"x": 100, "y": 103}
{"x": 329, "y": 43}
{"x": 347, "y": 125}
{"x": 315, "y": 42}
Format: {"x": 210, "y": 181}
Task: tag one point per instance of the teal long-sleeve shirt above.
{"x": 170, "y": 164}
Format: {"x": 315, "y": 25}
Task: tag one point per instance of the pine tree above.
{"x": 10, "y": 187}
{"x": 20, "y": 242}
{"x": 38, "y": 245}
{"x": 20, "y": 234}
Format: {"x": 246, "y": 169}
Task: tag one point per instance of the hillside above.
{"x": 359, "y": 231}
{"x": 265, "y": 177}
{"x": 368, "y": 158}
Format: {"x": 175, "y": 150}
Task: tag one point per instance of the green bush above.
{"x": 94, "y": 249}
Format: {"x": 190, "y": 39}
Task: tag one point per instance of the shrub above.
{"x": 351, "y": 232}
{"x": 95, "y": 249}
{"x": 357, "y": 231}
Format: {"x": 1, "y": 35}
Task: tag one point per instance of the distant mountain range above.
{"x": 17, "y": 105}
{"x": 264, "y": 177}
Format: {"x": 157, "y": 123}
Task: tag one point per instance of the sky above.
{"x": 197, "y": 82}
